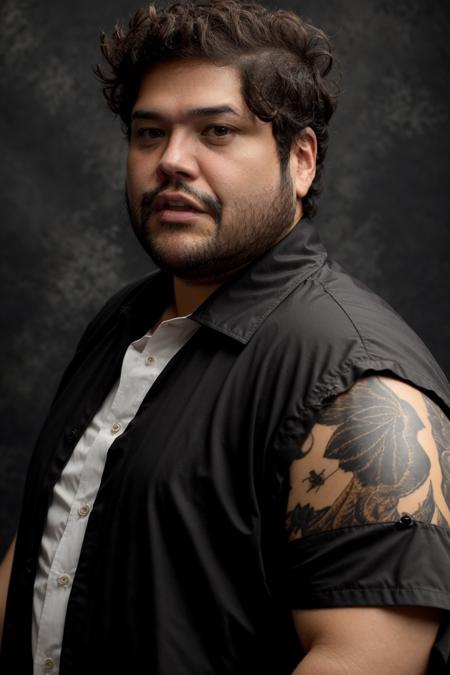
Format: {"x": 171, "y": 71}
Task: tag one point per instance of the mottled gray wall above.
{"x": 65, "y": 242}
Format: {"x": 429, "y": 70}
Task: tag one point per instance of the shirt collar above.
{"x": 240, "y": 305}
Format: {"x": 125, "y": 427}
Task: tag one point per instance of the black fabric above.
{"x": 184, "y": 560}
{"x": 390, "y": 565}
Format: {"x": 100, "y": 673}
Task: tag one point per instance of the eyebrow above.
{"x": 209, "y": 111}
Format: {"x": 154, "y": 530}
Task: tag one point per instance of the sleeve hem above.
{"x": 372, "y": 596}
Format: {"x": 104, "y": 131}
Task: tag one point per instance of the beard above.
{"x": 254, "y": 225}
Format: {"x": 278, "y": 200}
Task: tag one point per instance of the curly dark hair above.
{"x": 283, "y": 61}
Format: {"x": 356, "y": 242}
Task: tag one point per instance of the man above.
{"x": 245, "y": 468}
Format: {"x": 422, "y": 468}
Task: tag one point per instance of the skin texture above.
{"x": 376, "y": 452}
{"x": 366, "y": 640}
{"x": 227, "y": 162}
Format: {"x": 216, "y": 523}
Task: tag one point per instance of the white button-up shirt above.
{"x": 75, "y": 492}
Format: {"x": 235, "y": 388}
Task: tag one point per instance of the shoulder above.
{"x": 124, "y": 296}
{"x": 112, "y": 308}
{"x": 349, "y": 330}
{"x": 104, "y": 321}
{"x": 331, "y": 303}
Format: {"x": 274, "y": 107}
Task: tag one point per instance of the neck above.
{"x": 188, "y": 295}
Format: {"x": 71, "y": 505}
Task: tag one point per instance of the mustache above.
{"x": 211, "y": 204}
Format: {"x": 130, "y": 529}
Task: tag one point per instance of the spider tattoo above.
{"x": 317, "y": 480}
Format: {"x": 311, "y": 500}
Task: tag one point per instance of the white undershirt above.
{"x": 75, "y": 492}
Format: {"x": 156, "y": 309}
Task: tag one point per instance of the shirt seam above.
{"x": 347, "y": 314}
{"x": 391, "y": 523}
{"x": 415, "y": 587}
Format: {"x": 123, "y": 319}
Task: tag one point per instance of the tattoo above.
{"x": 316, "y": 480}
{"x": 441, "y": 521}
{"x": 427, "y": 508}
{"x": 375, "y": 440}
{"x": 440, "y": 427}
{"x": 304, "y": 452}
{"x": 303, "y": 519}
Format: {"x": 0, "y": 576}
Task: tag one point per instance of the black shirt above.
{"x": 185, "y": 568}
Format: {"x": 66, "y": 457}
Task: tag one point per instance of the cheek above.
{"x": 251, "y": 180}
{"x": 251, "y": 173}
{"x": 261, "y": 165}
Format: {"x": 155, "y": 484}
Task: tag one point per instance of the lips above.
{"x": 176, "y": 202}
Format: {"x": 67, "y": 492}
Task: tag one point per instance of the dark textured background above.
{"x": 65, "y": 242}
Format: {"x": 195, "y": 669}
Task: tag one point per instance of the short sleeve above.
{"x": 403, "y": 563}
{"x": 388, "y": 564}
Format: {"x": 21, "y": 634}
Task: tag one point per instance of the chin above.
{"x": 176, "y": 254}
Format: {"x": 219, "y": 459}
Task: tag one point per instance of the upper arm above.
{"x": 377, "y": 452}
{"x": 369, "y": 640}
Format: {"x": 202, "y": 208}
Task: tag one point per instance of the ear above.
{"x": 303, "y": 158}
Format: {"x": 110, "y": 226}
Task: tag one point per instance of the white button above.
{"x": 48, "y": 664}
{"x": 63, "y": 580}
{"x": 149, "y": 360}
{"x": 84, "y": 510}
{"x": 116, "y": 427}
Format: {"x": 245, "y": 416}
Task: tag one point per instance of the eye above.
{"x": 218, "y": 131}
{"x": 149, "y": 133}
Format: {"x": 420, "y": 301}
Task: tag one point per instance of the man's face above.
{"x": 205, "y": 191}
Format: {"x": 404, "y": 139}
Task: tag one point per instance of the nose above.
{"x": 177, "y": 159}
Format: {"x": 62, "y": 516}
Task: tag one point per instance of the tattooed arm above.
{"x": 378, "y": 453}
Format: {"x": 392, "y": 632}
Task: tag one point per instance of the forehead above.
{"x": 179, "y": 84}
